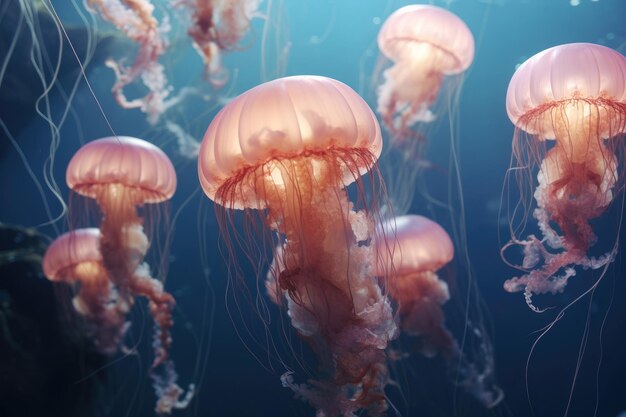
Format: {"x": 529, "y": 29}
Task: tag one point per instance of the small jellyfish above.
{"x": 122, "y": 174}
{"x": 429, "y": 48}
{"x": 412, "y": 250}
{"x": 425, "y": 44}
{"x": 286, "y": 151}
{"x": 75, "y": 258}
{"x": 420, "y": 247}
{"x": 218, "y": 26}
{"x": 568, "y": 104}
{"x": 137, "y": 21}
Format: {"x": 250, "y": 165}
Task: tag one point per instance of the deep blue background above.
{"x": 337, "y": 39}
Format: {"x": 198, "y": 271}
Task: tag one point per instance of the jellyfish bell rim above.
{"x": 212, "y": 175}
{"x": 70, "y": 249}
{"x": 146, "y": 154}
{"x": 409, "y": 231}
{"x": 462, "y": 60}
{"x": 518, "y": 104}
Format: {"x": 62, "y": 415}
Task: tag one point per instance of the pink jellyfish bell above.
{"x": 121, "y": 174}
{"x": 425, "y": 44}
{"x": 574, "y": 95}
{"x": 75, "y": 258}
{"x": 290, "y": 147}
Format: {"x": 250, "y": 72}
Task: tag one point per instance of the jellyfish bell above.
{"x": 571, "y": 100}
{"x": 327, "y": 122}
{"x": 422, "y": 244}
{"x": 285, "y": 151}
{"x": 425, "y": 44}
{"x": 122, "y": 168}
{"x": 70, "y": 252}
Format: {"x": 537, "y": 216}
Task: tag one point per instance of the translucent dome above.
{"x": 419, "y": 245}
{"x": 126, "y": 161}
{"x": 285, "y": 118}
{"x": 410, "y": 27}
{"x": 582, "y": 71}
{"x": 70, "y": 249}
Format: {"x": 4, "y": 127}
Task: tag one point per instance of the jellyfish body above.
{"x": 425, "y": 44}
{"x": 75, "y": 258}
{"x": 412, "y": 250}
{"x": 420, "y": 248}
{"x": 286, "y": 150}
{"x": 574, "y": 94}
{"x": 121, "y": 174}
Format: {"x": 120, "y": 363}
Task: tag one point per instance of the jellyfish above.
{"x": 425, "y": 44}
{"x": 75, "y": 258}
{"x": 135, "y": 18}
{"x": 286, "y": 150}
{"x": 413, "y": 248}
{"x": 217, "y": 26}
{"x": 422, "y": 247}
{"x": 121, "y": 174}
{"x": 568, "y": 104}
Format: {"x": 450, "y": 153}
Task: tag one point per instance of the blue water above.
{"x": 337, "y": 39}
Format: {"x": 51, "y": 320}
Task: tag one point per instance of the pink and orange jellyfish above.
{"x": 218, "y": 26}
{"x": 286, "y": 151}
{"x": 135, "y": 18}
{"x": 420, "y": 248}
{"x": 75, "y": 258}
{"x": 574, "y": 94}
{"x": 425, "y": 43}
{"x": 412, "y": 250}
{"x": 121, "y": 174}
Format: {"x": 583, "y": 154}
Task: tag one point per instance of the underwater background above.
{"x": 578, "y": 368}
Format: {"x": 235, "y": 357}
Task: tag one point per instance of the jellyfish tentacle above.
{"x": 346, "y": 316}
{"x": 170, "y": 395}
{"x": 135, "y": 18}
{"x": 568, "y": 195}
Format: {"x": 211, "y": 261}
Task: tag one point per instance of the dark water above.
{"x": 336, "y": 39}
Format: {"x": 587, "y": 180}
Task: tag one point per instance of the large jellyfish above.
{"x": 121, "y": 174}
{"x": 574, "y": 94}
{"x": 287, "y": 150}
{"x": 75, "y": 258}
{"x": 413, "y": 248}
{"x": 425, "y": 44}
